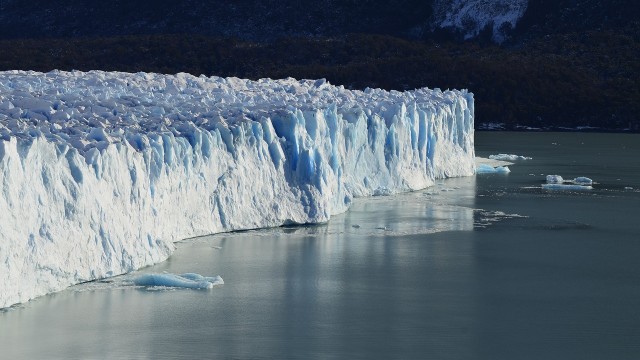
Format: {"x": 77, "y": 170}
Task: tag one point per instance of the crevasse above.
{"x": 101, "y": 172}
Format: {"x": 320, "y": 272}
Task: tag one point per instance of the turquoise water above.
{"x": 486, "y": 267}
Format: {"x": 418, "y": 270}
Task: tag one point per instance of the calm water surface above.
{"x": 486, "y": 267}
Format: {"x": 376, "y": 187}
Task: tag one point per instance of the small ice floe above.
{"x": 554, "y": 179}
{"x": 581, "y": 180}
{"x": 556, "y": 182}
{"x": 628, "y": 188}
{"x": 488, "y": 169}
{"x": 509, "y": 157}
{"x": 188, "y": 280}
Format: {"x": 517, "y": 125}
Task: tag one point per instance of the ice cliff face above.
{"x": 471, "y": 16}
{"x": 101, "y": 172}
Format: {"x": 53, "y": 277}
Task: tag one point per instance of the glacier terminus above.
{"x": 101, "y": 172}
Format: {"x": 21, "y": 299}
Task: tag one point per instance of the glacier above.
{"x": 102, "y": 172}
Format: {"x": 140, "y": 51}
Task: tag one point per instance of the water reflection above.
{"x": 372, "y": 291}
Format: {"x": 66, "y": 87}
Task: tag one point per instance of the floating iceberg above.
{"x": 509, "y": 157}
{"x": 488, "y": 169}
{"x": 556, "y": 182}
{"x": 101, "y": 172}
{"x": 189, "y": 280}
{"x": 582, "y": 181}
{"x": 554, "y": 179}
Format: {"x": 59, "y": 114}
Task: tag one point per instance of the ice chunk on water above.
{"x": 582, "y": 181}
{"x": 554, "y": 179}
{"x": 509, "y": 157}
{"x": 188, "y": 280}
{"x": 215, "y": 280}
{"x": 556, "y": 182}
{"x": 557, "y": 179}
{"x": 488, "y": 169}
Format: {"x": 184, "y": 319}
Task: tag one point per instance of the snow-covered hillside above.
{"x": 469, "y": 17}
{"x": 102, "y": 172}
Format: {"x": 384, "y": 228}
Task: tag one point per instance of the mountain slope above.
{"x": 261, "y": 20}
{"x": 246, "y": 19}
{"x": 468, "y": 18}
{"x": 566, "y": 63}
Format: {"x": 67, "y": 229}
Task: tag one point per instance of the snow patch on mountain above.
{"x": 470, "y": 17}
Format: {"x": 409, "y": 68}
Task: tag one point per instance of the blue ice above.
{"x": 488, "y": 169}
{"x": 188, "y": 280}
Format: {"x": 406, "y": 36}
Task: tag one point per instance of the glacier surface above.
{"x": 101, "y": 171}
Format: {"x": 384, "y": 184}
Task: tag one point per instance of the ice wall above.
{"x": 102, "y": 172}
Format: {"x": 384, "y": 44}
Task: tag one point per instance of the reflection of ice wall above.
{"x": 101, "y": 172}
{"x": 471, "y": 16}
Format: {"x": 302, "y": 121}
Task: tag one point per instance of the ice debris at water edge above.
{"x": 101, "y": 171}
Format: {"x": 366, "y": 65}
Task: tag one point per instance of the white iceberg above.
{"x": 509, "y": 157}
{"x": 554, "y": 179}
{"x": 556, "y": 182}
{"x": 581, "y": 180}
{"x": 101, "y": 172}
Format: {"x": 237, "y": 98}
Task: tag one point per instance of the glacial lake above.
{"x": 485, "y": 267}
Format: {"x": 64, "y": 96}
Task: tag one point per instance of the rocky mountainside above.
{"x": 245, "y": 19}
{"x": 565, "y": 63}
{"x": 261, "y": 20}
{"x": 544, "y": 17}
